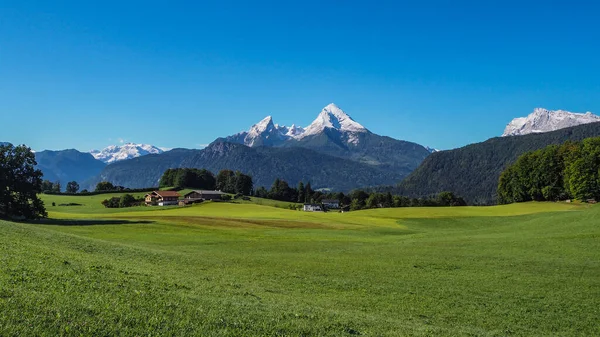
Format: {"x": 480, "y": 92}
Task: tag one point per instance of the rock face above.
{"x": 543, "y": 120}
{"x": 115, "y": 153}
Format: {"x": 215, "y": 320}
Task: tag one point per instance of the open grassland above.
{"x": 219, "y": 269}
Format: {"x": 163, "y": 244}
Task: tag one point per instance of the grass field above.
{"x": 219, "y": 269}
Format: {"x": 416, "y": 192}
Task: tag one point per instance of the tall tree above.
{"x": 72, "y": 187}
{"x": 104, "y": 186}
{"x": 308, "y": 193}
{"x": 47, "y": 186}
{"x": 224, "y": 181}
{"x": 301, "y": 192}
{"x": 243, "y": 183}
{"x": 56, "y": 187}
{"x": 20, "y": 183}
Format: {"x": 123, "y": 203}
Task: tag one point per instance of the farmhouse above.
{"x": 312, "y": 208}
{"x": 204, "y": 195}
{"x": 331, "y": 203}
{"x": 162, "y": 198}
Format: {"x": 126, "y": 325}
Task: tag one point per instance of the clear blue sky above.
{"x": 84, "y": 74}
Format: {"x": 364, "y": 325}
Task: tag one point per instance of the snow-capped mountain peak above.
{"x": 544, "y": 120}
{"x": 126, "y": 151}
{"x": 266, "y": 132}
{"x": 264, "y": 124}
{"x": 335, "y": 118}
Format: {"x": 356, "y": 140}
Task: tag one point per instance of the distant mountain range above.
{"x": 115, "y": 153}
{"x": 68, "y": 165}
{"x": 263, "y": 163}
{"x": 335, "y": 133}
{"x": 542, "y": 120}
{"x": 334, "y": 152}
{"x": 473, "y": 171}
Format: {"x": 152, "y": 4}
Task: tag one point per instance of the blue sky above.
{"x": 83, "y": 74}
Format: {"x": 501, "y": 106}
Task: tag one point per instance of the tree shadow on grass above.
{"x": 85, "y": 222}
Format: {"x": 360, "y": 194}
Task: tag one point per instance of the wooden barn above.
{"x": 204, "y": 195}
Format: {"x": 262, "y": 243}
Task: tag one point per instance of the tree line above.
{"x": 557, "y": 172}
{"x": 49, "y": 187}
{"x": 227, "y": 181}
{"x": 355, "y": 200}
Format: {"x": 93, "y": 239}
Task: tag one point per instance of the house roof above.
{"x": 167, "y": 193}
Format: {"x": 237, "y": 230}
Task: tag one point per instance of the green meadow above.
{"x": 251, "y": 269}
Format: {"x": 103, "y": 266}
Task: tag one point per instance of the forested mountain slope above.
{"x": 264, "y": 164}
{"x": 473, "y": 171}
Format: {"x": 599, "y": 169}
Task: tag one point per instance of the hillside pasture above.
{"x": 221, "y": 269}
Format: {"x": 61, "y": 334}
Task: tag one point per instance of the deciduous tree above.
{"x": 72, "y": 187}
{"x": 20, "y": 183}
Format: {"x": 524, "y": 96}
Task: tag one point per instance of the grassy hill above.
{"x": 219, "y": 269}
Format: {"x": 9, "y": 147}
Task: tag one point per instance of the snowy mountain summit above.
{"x": 331, "y": 118}
{"x": 126, "y": 151}
{"x": 334, "y": 118}
{"x": 543, "y": 120}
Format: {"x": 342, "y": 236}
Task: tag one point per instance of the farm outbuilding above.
{"x": 204, "y": 195}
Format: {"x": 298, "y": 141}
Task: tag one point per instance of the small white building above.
{"x": 312, "y": 208}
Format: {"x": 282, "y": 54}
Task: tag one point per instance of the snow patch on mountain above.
{"x": 543, "y": 120}
{"x": 332, "y": 117}
{"x": 294, "y": 131}
{"x": 115, "y": 153}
